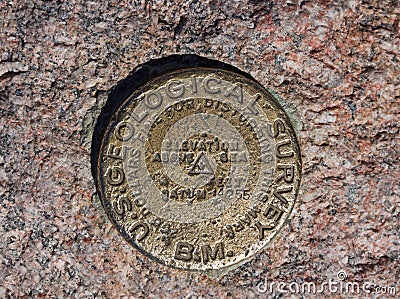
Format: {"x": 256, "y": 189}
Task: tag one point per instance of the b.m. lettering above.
{"x": 185, "y": 251}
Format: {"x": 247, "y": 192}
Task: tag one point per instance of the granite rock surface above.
{"x": 334, "y": 64}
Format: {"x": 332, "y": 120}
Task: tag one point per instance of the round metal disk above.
{"x": 199, "y": 168}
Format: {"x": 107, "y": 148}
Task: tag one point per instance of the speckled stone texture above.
{"x": 335, "y": 64}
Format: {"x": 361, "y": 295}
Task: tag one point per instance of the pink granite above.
{"x": 335, "y": 64}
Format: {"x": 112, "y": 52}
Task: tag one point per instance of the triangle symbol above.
{"x": 201, "y": 166}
